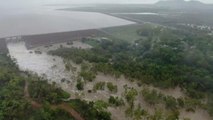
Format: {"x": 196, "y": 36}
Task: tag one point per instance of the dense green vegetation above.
{"x": 87, "y": 75}
{"x": 12, "y": 104}
{"x": 52, "y": 94}
{"x": 153, "y": 97}
{"x": 47, "y": 113}
{"x": 130, "y": 95}
{"x": 116, "y": 101}
{"x": 163, "y": 57}
{"x": 112, "y": 88}
{"x": 91, "y": 110}
{"x": 99, "y": 86}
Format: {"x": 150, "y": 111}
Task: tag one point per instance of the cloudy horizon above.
{"x": 11, "y": 5}
{"x": 17, "y": 2}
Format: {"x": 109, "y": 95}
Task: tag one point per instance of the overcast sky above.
{"x": 81, "y": 1}
{"x": 8, "y": 4}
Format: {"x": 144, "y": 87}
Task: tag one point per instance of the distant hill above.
{"x": 180, "y": 4}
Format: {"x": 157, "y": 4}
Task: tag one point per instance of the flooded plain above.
{"x": 53, "y": 68}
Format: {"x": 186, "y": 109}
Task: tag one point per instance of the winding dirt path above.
{"x": 27, "y": 96}
{"x": 63, "y": 105}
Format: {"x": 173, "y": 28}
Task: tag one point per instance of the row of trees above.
{"x": 153, "y": 97}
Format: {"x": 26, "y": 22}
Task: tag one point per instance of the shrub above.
{"x": 88, "y": 75}
{"x": 99, "y": 86}
{"x": 130, "y": 96}
{"x": 80, "y": 85}
{"x": 170, "y": 102}
{"x": 112, "y": 88}
{"x": 152, "y": 97}
{"x": 116, "y": 101}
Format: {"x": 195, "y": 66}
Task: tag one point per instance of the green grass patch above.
{"x": 127, "y": 33}
{"x": 91, "y": 42}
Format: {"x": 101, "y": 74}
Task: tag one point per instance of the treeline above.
{"x": 154, "y": 97}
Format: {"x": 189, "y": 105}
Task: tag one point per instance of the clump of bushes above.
{"x": 116, "y": 101}
{"x": 99, "y": 86}
{"x": 91, "y": 110}
{"x": 130, "y": 95}
{"x": 80, "y": 85}
{"x": 88, "y": 75}
{"x": 152, "y": 97}
{"x": 112, "y": 88}
{"x": 171, "y": 103}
